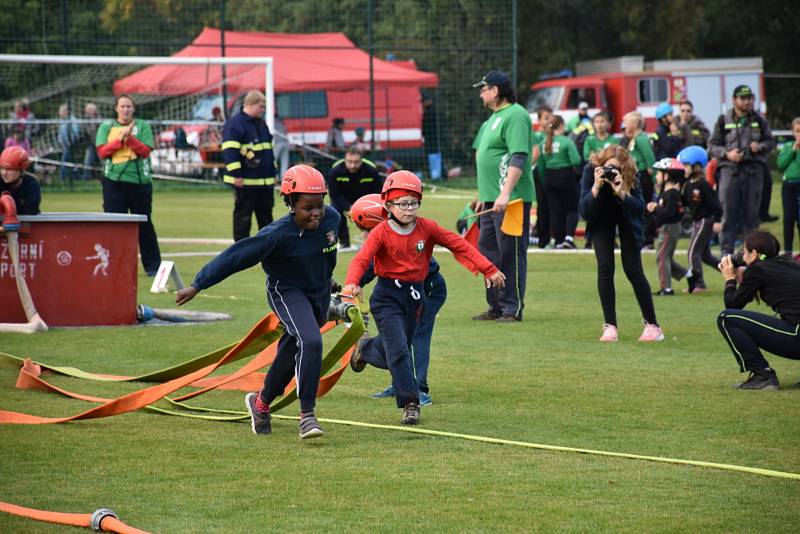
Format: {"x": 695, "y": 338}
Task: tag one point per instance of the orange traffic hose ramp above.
{"x": 102, "y": 520}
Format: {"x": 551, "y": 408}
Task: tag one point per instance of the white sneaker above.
{"x": 609, "y": 333}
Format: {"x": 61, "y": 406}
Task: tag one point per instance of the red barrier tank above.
{"x": 80, "y": 268}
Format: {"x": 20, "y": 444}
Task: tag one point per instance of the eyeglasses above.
{"x": 407, "y": 206}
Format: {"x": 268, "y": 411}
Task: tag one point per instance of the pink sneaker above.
{"x": 651, "y": 333}
{"x": 609, "y": 333}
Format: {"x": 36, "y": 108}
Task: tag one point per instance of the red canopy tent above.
{"x": 302, "y": 62}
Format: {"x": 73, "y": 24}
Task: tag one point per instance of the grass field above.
{"x": 546, "y": 380}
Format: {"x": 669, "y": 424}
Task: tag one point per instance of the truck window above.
{"x": 546, "y": 96}
{"x": 582, "y": 94}
{"x": 653, "y": 90}
{"x": 302, "y": 105}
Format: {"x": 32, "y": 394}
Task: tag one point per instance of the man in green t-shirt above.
{"x": 124, "y": 144}
{"x": 503, "y": 161}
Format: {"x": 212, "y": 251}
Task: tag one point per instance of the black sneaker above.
{"x": 259, "y": 421}
{"x": 487, "y": 316}
{"x": 568, "y": 244}
{"x": 356, "y": 363}
{"x": 760, "y": 380}
{"x": 665, "y": 292}
{"x": 309, "y": 426}
{"x": 410, "y": 414}
{"x": 769, "y": 218}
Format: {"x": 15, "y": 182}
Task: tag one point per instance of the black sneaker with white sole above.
{"x": 260, "y": 422}
{"x": 761, "y": 379}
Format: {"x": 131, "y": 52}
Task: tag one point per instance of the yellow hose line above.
{"x": 496, "y": 441}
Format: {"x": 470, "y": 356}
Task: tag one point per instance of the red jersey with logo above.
{"x": 405, "y": 257}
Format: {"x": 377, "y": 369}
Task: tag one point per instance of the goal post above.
{"x": 46, "y": 82}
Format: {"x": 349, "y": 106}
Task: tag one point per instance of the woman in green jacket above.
{"x": 559, "y": 160}
{"x": 637, "y": 142}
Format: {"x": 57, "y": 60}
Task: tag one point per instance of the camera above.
{"x": 610, "y": 172}
{"x": 737, "y": 259}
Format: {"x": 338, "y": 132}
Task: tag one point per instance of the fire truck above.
{"x": 629, "y": 83}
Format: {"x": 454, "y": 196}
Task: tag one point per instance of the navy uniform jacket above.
{"x": 247, "y": 151}
{"x": 27, "y": 197}
{"x": 303, "y": 259}
{"x": 346, "y": 187}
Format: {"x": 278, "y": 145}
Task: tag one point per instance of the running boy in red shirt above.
{"x": 401, "y": 248}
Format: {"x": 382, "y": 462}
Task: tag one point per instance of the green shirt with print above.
{"x": 593, "y": 144}
{"x": 507, "y": 131}
{"x": 124, "y": 165}
{"x": 563, "y": 153}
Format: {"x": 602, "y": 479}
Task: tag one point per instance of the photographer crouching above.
{"x": 775, "y": 280}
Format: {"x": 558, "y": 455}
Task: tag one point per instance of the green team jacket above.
{"x": 789, "y": 163}
{"x": 564, "y": 153}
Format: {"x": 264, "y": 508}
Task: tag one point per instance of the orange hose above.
{"x": 108, "y": 524}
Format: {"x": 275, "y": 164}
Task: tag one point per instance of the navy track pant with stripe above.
{"x": 396, "y": 308}
{"x": 373, "y": 351}
{"x": 299, "y": 351}
{"x": 747, "y": 332}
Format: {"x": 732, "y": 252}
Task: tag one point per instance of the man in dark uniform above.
{"x": 741, "y": 141}
{"x": 249, "y": 164}
{"x": 348, "y": 180}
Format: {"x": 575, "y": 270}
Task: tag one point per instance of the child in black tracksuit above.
{"x": 298, "y": 254}
{"x": 706, "y": 211}
{"x": 668, "y": 212}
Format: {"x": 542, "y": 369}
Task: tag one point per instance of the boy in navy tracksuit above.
{"x": 668, "y": 212}
{"x": 367, "y": 212}
{"x": 401, "y": 248}
{"x": 298, "y": 253}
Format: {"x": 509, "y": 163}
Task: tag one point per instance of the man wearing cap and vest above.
{"x": 741, "y": 141}
{"x": 249, "y": 164}
{"x": 503, "y": 160}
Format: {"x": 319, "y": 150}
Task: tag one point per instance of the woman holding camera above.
{"x": 611, "y": 200}
{"x": 775, "y": 280}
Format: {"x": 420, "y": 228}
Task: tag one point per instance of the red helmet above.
{"x": 14, "y": 157}
{"x": 405, "y": 180}
{"x": 367, "y": 212}
{"x": 303, "y": 179}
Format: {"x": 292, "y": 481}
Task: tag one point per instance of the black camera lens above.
{"x": 737, "y": 259}
{"x": 610, "y": 172}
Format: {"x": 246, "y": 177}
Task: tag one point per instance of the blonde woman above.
{"x": 637, "y": 142}
{"x": 611, "y": 201}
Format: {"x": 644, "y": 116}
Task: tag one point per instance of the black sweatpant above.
{"x": 747, "y": 332}
{"x": 299, "y": 351}
{"x": 510, "y": 254}
{"x": 125, "y": 197}
{"x": 561, "y": 187}
{"x": 766, "y": 194}
{"x": 249, "y": 200}
{"x": 344, "y": 229}
{"x": 542, "y": 208}
{"x": 648, "y": 193}
{"x": 603, "y": 241}
{"x": 790, "y": 198}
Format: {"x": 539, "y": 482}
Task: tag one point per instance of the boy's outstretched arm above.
{"x": 185, "y": 295}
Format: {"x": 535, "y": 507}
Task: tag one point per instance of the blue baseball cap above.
{"x": 494, "y": 77}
